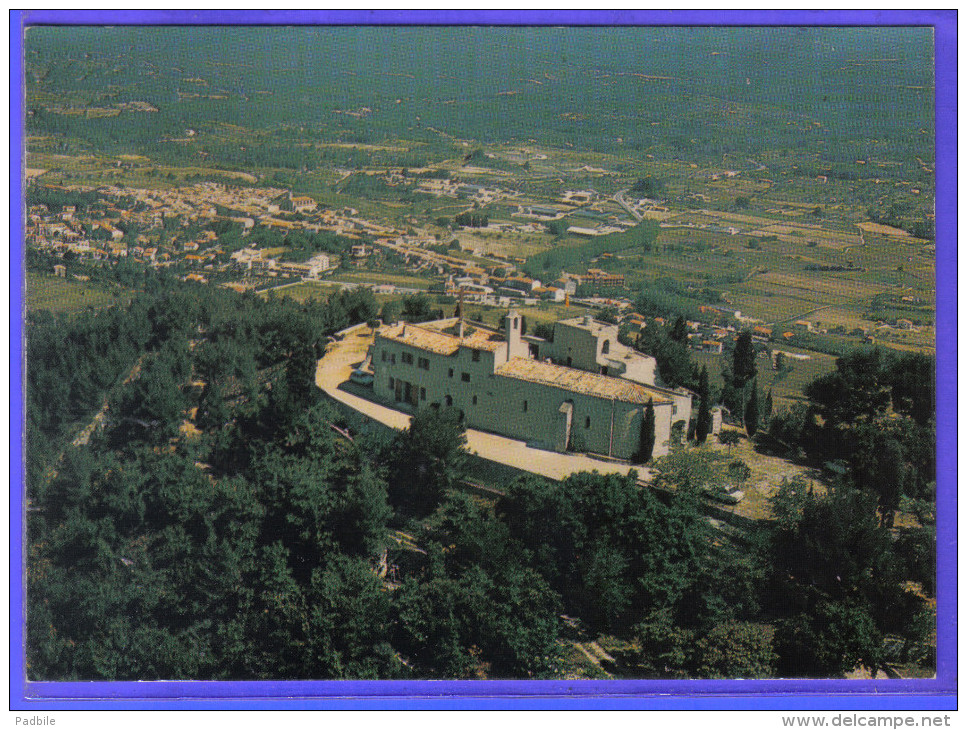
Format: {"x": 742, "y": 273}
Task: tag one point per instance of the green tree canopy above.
{"x": 838, "y": 583}
{"x": 426, "y": 460}
{"x": 672, "y": 356}
{"x": 612, "y": 550}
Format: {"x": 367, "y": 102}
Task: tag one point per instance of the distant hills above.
{"x": 708, "y": 89}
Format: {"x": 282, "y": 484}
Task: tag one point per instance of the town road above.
{"x": 620, "y": 200}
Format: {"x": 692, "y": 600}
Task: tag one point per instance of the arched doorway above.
{"x": 562, "y": 431}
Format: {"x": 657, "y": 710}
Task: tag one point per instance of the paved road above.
{"x": 337, "y": 364}
{"x": 620, "y": 200}
{"x": 797, "y": 317}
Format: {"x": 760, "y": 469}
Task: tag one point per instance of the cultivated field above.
{"x": 305, "y": 290}
{"x": 511, "y": 245}
{"x": 785, "y": 389}
{"x": 67, "y": 295}
{"x": 379, "y": 277}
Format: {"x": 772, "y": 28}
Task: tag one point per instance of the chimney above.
{"x": 588, "y": 320}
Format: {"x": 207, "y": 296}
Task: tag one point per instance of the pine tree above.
{"x": 426, "y": 460}
{"x": 704, "y": 423}
{"x": 647, "y": 433}
{"x": 752, "y": 410}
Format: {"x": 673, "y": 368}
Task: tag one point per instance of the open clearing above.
{"x": 66, "y": 295}
{"x": 504, "y": 244}
{"x": 305, "y": 290}
{"x": 106, "y": 166}
{"x": 378, "y": 277}
{"x": 872, "y": 227}
{"x": 370, "y": 147}
{"x": 767, "y": 475}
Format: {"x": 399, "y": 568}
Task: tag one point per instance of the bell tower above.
{"x": 512, "y": 333}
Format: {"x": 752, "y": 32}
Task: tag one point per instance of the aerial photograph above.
{"x": 474, "y": 353}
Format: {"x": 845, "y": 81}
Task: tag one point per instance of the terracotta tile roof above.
{"x": 442, "y": 343}
{"x": 482, "y": 340}
{"x": 579, "y": 381}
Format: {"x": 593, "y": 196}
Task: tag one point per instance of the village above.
{"x": 179, "y": 228}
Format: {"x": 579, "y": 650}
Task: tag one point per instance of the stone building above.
{"x": 587, "y": 344}
{"x": 524, "y": 387}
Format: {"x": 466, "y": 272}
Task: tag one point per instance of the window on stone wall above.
{"x": 525, "y": 406}
{"x": 449, "y": 401}
{"x": 384, "y": 355}
{"x": 475, "y": 400}
{"x": 475, "y": 356}
{"x": 605, "y": 347}
{"x": 465, "y": 377}
{"x": 423, "y": 363}
{"x": 587, "y": 421}
{"x": 407, "y": 358}
{"x": 450, "y": 374}
{"x": 422, "y": 393}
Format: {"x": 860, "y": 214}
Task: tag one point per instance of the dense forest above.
{"x": 223, "y": 522}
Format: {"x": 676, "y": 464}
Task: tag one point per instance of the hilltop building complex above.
{"x": 582, "y": 391}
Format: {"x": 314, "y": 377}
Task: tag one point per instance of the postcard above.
{"x": 539, "y": 355}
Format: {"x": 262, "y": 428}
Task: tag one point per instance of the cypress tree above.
{"x": 679, "y": 331}
{"x": 752, "y": 410}
{"x": 704, "y": 423}
{"x": 768, "y": 408}
{"x": 647, "y": 433}
{"x": 743, "y": 360}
